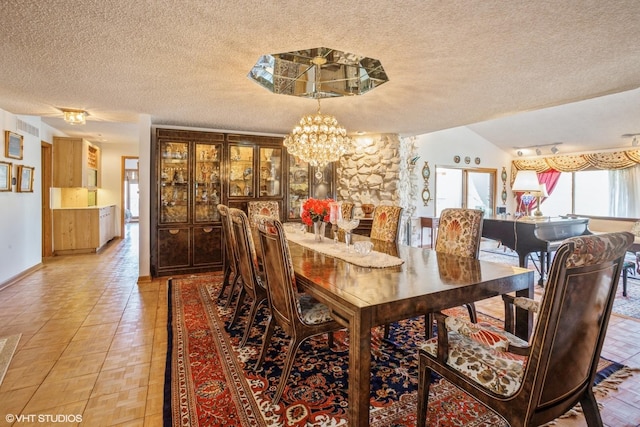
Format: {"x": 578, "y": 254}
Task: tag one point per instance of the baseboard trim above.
{"x": 20, "y": 276}
{"x": 144, "y": 279}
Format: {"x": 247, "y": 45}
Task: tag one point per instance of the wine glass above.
{"x": 348, "y": 225}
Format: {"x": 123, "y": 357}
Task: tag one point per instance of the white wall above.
{"x": 20, "y": 213}
{"x": 439, "y": 149}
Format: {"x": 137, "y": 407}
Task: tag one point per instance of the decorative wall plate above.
{"x": 477, "y": 160}
{"x": 426, "y": 171}
{"x": 467, "y": 160}
{"x": 426, "y": 196}
{"x": 456, "y": 159}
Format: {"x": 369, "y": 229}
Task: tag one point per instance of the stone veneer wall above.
{"x": 371, "y": 173}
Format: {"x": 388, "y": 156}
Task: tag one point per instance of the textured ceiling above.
{"x": 450, "y": 63}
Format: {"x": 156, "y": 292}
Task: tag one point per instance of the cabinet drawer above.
{"x": 173, "y": 248}
{"x": 207, "y": 246}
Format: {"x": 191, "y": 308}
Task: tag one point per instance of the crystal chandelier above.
{"x": 318, "y": 139}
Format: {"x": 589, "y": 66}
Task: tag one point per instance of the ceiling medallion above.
{"x": 318, "y": 73}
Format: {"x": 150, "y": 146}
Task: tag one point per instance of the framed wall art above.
{"x": 12, "y": 145}
{"x": 5, "y": 176}
{"x": 25, "y": 179}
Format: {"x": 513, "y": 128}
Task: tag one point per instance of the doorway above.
{"x": 465, "y": 188}
{"x": 130, "y": 192}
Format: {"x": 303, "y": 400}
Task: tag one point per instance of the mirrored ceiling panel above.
{"x": 318, "y": 73}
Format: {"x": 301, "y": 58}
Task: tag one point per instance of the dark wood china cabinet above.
{"x": 193, "y": 171}
{"x": 187, "y": 176}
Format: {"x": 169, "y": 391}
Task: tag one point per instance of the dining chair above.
{"x": 262, "y": 207}
{"x": 460, "y": 233}
{"x": 231, "y": 258}
{"x": 252, "y": 284}
{"x": 346, "y": 209}
{"x": 298, "y": 314}
{"x": 536, "y": 381}
{"x": 386, "y": 222}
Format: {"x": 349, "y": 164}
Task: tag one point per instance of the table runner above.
{"x": 374, "y": 259}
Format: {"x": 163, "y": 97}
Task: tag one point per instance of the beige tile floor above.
{"x": 94, "y": 345}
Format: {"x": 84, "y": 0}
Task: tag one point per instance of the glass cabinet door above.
{"x": 241, "y": 171}
{"x": 207, "y": 182}
{"x": 298, "y": 185}
{"x": 270, "y": 171}
{"x": 174, "y": 177}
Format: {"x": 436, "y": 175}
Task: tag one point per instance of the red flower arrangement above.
{"x": 314, "y": 210}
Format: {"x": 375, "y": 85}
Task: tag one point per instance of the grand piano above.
{"x": 527, "y": 236}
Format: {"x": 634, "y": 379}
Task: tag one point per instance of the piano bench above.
{"x": 628, "y": 265}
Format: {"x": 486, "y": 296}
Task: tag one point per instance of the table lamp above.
{"x": 526, "y": 182}
{"x": 542, "y": 192}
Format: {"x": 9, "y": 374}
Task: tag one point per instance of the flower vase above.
{"x": 318, "y": 230}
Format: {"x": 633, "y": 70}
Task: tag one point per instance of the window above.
{"x": 596, "y": 193}
{"x": 465, "y": 188}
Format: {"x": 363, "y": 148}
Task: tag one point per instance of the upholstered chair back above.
{"x": 346, "y": 208}
{"x": 229, "y": 239}
{"x": 262, "y": 207}
{"x": 460, "y": 232}
{"x": 386, "y": 222}
{"x": 278, "y": 270}
{"x": 574, "y": 314}
{"x": 247, "y": 257}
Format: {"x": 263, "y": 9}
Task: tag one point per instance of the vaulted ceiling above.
{"x": 519, "y": 73}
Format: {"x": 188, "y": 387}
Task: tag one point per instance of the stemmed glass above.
{"x": 348, "y": 225}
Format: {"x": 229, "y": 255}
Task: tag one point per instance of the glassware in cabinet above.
{"x": 270, "y": 172}
{"x": 174, "y": 176}
{"x": 241, "y": 171}
{"x": 298, "y": 185}
{"x": 207, "y": 189}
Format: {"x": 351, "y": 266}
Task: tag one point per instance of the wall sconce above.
{"x": 554, "y": 150}
{"x": 75, "y": 117}
{"x": 538, "y": 151}
{"x": 634, "y": 143}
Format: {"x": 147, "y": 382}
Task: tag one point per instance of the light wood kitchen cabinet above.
{"x": 76, "y": 163}
{"x": 83, "y": 230}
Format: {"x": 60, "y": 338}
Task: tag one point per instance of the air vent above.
{"x": 27, "y": 127}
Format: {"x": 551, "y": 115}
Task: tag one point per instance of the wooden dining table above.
{"x": 361, "y": 298}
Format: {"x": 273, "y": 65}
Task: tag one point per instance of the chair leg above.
{"x": 236, "y": 280}
{"x": 225, "y": 280}
{"x": 473, "y": 315}
{"x": 590, "y": 409}
{"x": 236, "y": 312}
{"x": 625, "y": 272}
{"x": 271, "y": 325}
{"x": 252, "y": 316}
{"x": 330, "y": 339}
{"x": 387, "y": 329}
{"x": 428, "y": 326}
{"x": 286, "y": 370}
{"x": 424, "y": 382}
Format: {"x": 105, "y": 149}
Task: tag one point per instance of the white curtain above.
{"x": 625, "y": 192}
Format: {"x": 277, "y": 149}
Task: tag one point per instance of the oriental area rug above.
{"x": 210, "y": 381}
